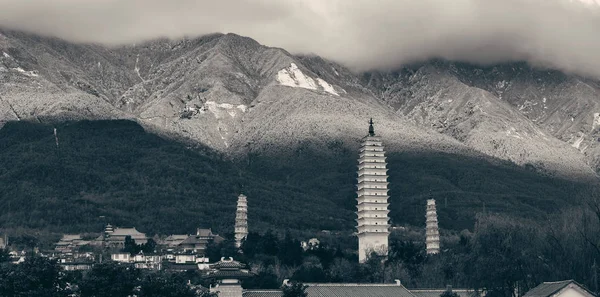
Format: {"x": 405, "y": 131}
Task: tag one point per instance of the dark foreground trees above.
{"x": 35, "y": 277}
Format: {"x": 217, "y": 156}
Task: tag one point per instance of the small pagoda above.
{"x": 229, "y": 275}
{"x": 241, "y": 220}
{"x": 432, "y": 232}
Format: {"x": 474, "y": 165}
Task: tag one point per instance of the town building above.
{"x": 438, "y": 292}
{"x": 198, "y": 243}
{"x": 567, "y": 288}
{"x": 311, "y": 244}
{"x": 173, "y": 241}
{"x": 432, "y": 233}
{"x": 76, "y": 261}
{"x": 140, "y": 260}
{"x": 241, "y": 220}
{"x": 115, "y": 237}
{"x": 372, "y": 202}
{"x": 70, "y": 243}
{"x": 341, "y": 289}
{"x": 184, "y": 262}
{"x": 228, "y": 273}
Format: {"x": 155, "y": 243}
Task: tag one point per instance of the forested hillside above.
{"x": 117, "y": 170}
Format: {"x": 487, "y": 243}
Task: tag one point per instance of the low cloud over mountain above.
{"x": 362, "y": 34}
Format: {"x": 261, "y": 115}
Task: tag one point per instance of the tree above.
{"x": 449, "y": 293}
{"x": 207, "y": 293}
{"x": 4, "y": 255}
{"x": 310, "y": 271}
{"x": 251, "y": 244}
{"x": 505, "y": 256}
{"x": 270, "y": 243}
{"x": 36, "y": 276}
{"x": 149, "y": 247}
{"x": 130, "y": 246}
{"x": 295, "y": 289}
{"x": 290, "y": 252}
{"x": 164, "y": 285}
{"x": 110, "y": 280}
{"x": 342, "y": 270}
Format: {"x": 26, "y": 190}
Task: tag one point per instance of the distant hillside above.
{"x": 117, "y": 170}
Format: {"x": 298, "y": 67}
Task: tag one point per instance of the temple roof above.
{"x": 263, "y": 293}
{"x": 193, "y": 240}
{"x": 204, "y": 232}
{"x": 342, "y": 290}
{"x": 228, "y": 264}
{"x": 438, "y": 292}
{"x": 550, "y": 288}
{"x": 228, "y": 268}
{"x": 127, "y": 231}
{"x": 70, "y": 237}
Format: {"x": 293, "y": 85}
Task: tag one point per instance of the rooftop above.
{"x": 263, "y": 293}
{"x": 547, "y": 289}
{"x": 204, "y": 232}
{"x": 127, "y": 231}
{"x": 438, "y": 292}
{"x": 342, "y": 290}
{"x": 70, "y": 237}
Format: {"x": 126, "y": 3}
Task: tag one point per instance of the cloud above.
{"x": 362, "y": 34}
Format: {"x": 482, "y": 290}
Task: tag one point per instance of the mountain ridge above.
{"x": 234, "y": 95}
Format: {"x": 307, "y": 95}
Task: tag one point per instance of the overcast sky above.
{"x": 363, "y": 34}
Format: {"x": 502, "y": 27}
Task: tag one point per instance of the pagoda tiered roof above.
{"x": 228, "y": 269}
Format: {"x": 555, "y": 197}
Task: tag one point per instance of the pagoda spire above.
{"x": 371, "y": 130}
{"x": 372, "y": 202}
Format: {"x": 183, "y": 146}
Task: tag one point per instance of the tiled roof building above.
{"x": 438, "y": 292}
{"x": 567, "y": 288}
{"x": 228, "y": 274}
{"x": 342, "y": 290}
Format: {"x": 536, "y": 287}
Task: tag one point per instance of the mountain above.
{"x": 448, "y": 128}
{"x": 541, "y": 119}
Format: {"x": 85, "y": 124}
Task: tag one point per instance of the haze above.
{"x": 362, "y": 34}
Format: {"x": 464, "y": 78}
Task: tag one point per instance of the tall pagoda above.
{"x": 241, "y": 220}
{"x": 432, "y": 233}
{"x": 372, "y": 201}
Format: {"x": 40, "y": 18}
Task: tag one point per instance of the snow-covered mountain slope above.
{"x": 236, "y": 96}
{"x": 433, "y": 95}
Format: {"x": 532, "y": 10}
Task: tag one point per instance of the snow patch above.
{"x": 544, "y": 99}
{"x": 5, "y": 55}
{"x": 136, "y": 68}
{"x": 578, "y": 142}
{"x": 596, "y": 122}
{"x": 512, "y": 132}
{"x": 26, "y": 73}
{"x": 218, "y": 108}
{"x": 335, "y": 71}
{"x": 327, "y": 87}
{"x": 294, "y": 77}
